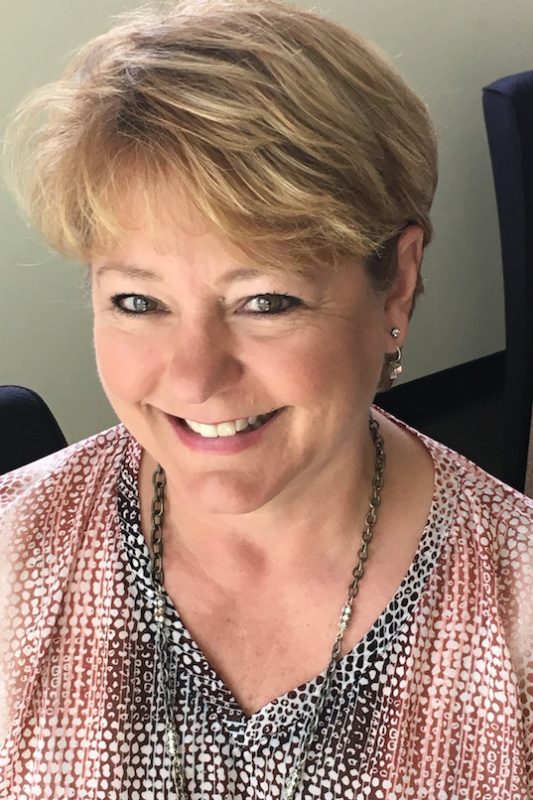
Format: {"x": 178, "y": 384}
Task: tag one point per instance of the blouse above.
{"x": 436, "y": 701}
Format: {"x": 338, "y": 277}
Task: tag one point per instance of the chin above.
{"x": 220, "y": 493}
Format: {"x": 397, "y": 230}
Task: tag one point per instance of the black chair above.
{"x": 508, "y": 110}
{"x": 28, "y": 429}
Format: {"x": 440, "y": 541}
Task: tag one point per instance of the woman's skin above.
{"x": 260, "y": 543}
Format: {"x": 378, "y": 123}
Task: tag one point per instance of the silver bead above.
{"x": 345, "y": 619}
{"x": 395, "y": 332}
{"x": 172, "y": 742}
{"x": 159, "y": 611}
{"x": 291, "y": 785}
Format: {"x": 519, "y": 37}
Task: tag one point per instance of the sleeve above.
{"x": 514, "y": 539}
{"x": 46, "y": 510}
{"x": 33, "y": 568}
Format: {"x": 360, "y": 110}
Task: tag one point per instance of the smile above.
{"x": 229, "y": 428}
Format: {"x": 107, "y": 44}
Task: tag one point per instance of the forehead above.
{"x": 151, "y": 228}
{"x": 155, "y": 253}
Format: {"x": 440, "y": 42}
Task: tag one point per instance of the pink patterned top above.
{"x": 435, "y": 702}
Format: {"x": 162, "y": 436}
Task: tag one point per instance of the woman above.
{"x": 250, "y": 185}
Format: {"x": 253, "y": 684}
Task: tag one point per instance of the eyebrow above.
{"x": 133, "y": 271}
{"x": 130, "y": 270}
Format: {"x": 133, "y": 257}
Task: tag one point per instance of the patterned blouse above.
{"x": 435, "y": 702}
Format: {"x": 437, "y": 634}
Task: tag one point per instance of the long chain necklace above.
{"x": 162, "y": 644}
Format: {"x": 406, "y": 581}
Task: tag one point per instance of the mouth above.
{"x": 231, "y": 428}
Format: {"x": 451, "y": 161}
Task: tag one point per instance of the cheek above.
{"x": 310, "y": 373}
{"x": 126, "y": 365}
{"x": 343, "y": 356}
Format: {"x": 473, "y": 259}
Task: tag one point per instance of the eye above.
{"x": 270, "y": 304}
{"x": 134, "y": 304}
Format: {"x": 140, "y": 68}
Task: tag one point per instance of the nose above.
{"x": 203, "y": 363}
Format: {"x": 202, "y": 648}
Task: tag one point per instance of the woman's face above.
{"x": 196, "y": 333}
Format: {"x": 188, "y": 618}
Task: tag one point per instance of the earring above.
{"x": 395, "y": 365}
{"x": 395, "y": 332}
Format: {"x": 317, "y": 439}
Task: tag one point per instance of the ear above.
{"x": 399, "y": 298}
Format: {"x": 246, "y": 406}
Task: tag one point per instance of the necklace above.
{"x": 162, "y": 647}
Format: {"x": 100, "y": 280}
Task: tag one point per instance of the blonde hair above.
{"x": 293, "y": 136}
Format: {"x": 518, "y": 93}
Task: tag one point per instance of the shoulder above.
{"x": 54, "y": 512}
{"x": 486, "y": 562}
{"x": 48, "y": 478}
{"x": 57, "y": 517}
{"x": 490, "y": 525}
{"x": 482, "y": 502}
{"x": 47, "y": 504}
{"x": 488, "y": 509}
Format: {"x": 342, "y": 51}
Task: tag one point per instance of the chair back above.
{"x": 508, "y": 111}
{"x": 28, "y": 429}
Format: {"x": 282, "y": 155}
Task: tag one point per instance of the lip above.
{"x": 222, "y": 445}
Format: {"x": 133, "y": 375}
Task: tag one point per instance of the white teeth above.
{"x": 209, "y": 431}
{"x": 223, "y": 428}
{"x": 226, "y": 429}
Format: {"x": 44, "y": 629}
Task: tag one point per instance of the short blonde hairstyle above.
{"x": 292, "y": 135}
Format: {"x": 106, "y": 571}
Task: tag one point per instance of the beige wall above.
{"x": 448, "y": 50}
